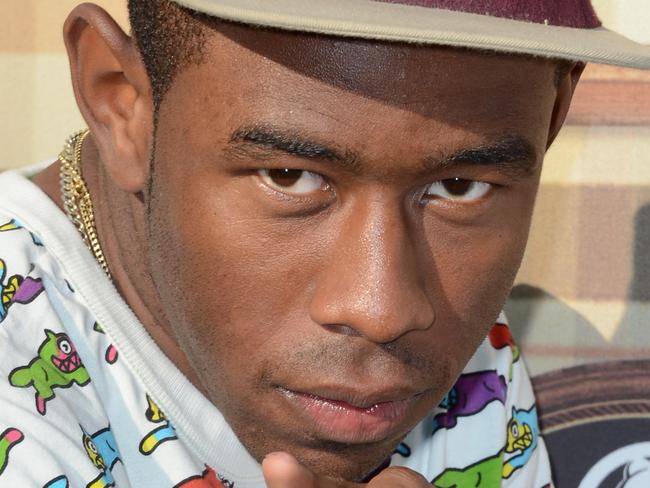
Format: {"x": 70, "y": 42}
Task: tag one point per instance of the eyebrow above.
{"x": 513, "y": 155}
{"x": 268, "y": 138}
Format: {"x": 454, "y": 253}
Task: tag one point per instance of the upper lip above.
{"x": 358, "y": 398}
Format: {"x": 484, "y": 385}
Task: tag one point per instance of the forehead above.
{"x": 324, "y": 84}
{"x": 396, "y": 73}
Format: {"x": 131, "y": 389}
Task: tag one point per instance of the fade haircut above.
{"x": 170, "y": 38}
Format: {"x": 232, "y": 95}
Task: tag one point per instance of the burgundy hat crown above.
{"x": 565, "y": 13}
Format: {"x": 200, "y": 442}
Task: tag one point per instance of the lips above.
{"x": 350, "y": 418}
{"x": 68, "y": 364}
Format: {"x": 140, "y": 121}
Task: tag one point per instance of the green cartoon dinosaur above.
{"x": 57, "y": 366}
{"x": 485, "y": 474}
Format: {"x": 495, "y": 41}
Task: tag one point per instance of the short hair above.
{"x": 171, "y": 37}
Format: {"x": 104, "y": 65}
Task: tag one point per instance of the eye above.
{"x": 65, "y": 347}
{"x": 91, "y": 446}
{"x": 296, "y": 181}
{"x": 458, "y": 189}
{"x": 514, "y": 430}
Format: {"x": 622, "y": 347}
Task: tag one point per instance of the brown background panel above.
{"x": 613, "y": 250}
{"x": 610, "y": 95}
{"x": 590, "y": 242}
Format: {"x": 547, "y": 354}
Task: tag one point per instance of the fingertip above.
{"x": 397, "y": 477}
{"x": 279, "y": 457}
{"x": 282, "y": 470}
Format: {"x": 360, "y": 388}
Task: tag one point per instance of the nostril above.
{"x": 341, "y": 329}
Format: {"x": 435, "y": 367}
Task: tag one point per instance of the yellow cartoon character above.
{"x": 522, "y": 439}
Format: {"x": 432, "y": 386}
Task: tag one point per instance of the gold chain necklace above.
{"x": 76, "y": 197}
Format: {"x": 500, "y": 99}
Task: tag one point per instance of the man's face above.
{"x": 366, "y": 274}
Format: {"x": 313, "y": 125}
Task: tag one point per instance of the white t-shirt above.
{"x": 83, "y": 387}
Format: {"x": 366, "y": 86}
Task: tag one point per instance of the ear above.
{"x": 113, "y": 93}
{"x": 565, "y": 92}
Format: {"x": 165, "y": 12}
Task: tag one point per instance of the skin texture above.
{"x": 362, "y": 287}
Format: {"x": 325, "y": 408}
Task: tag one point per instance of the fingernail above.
{"x": 281, "y": 456}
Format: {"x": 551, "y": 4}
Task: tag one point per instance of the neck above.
{"x": 120, "y": 220}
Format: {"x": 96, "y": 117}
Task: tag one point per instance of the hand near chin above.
{"x": 282, "y": 470}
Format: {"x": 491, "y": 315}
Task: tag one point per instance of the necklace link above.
{"x": 76, "y": 197}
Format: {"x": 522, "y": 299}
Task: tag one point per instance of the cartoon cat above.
{"x": 471, "y": 394}
{"x": 57, "y": 366}
{"x": 101, "y": 449}
{"x": 523, "y": 433}
{"x": 17, "y": 289}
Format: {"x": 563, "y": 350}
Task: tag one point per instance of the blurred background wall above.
{"x": 37, "y": 107}
{"x": 583, "y": 292}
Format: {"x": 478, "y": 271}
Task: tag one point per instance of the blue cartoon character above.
{"x": 101, "y": 449}
{"x": 471, "y": 394}
{"x": 15, "y": 224}
{"x": 523, "y": 433}
{"x": 8, "y": 439}
{"x": 159, "y": 435}
{"x": 57, "y": 366}
{"x": 16, "y": 289}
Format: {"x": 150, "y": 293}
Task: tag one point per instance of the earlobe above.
{"x": 565, "y": 92}
{"x": 113, "y": 93}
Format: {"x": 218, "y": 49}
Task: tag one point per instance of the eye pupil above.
{"x": 285, "y": 177}
{"x": 457, "y": 186}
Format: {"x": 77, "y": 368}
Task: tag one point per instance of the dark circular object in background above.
{"x": 595, "y": 420}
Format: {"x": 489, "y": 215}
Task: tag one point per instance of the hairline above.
{"x": 190, "y": 50}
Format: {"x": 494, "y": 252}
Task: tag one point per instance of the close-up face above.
{"x": 334, "y": 226}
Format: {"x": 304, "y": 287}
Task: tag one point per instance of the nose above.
{"x": 371, "y": 283}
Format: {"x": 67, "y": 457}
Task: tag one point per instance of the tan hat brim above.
{"x": 393, "y": 22}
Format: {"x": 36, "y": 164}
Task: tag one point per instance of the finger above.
{"x": 282, "y": 470}
{"x": 399, "y": 477}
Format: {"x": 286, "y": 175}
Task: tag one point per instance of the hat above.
{"x": 562, "y": 29}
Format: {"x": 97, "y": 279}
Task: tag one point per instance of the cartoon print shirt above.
{"x": 87, "y": 399}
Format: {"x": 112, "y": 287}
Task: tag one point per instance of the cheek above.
{"x": 480, "y": 270}
{"x": 232, "y": 285}
{"x": 473, "y": 270}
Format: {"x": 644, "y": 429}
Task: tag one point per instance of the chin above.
{"x": 352, "y": 463}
